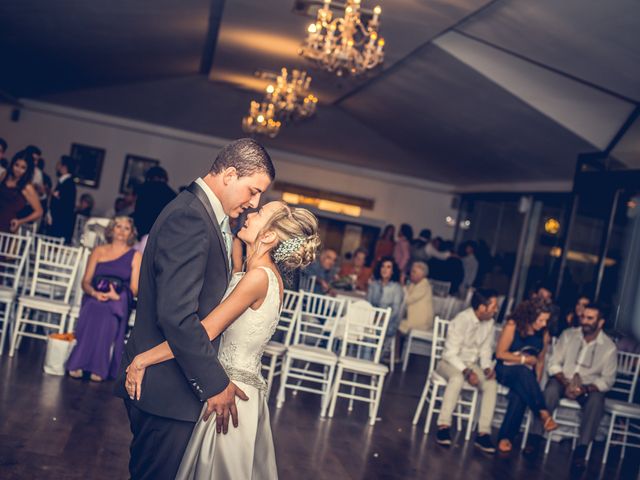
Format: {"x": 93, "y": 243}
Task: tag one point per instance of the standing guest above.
{"x": 433, "y": 249}
{"x": 385, "y": 244}
{"x": 520, "y": 353}
{"x": 85, "y": 205}
{"x": 110, "y": 282}
{"x": 38, "y": 174}
{"x": 467, "y": 356}
{"x": 357, "y": 270}
{"x": 419, "y": 246}
{"x": 418, "y": 299}
{"x": 470, "y": 266}
{"x": 582, "y": 367}
{"x": 323, "y": 270}
{"x": 447, "y": 267}
{"x": 3, "y": 151}
{"x": 572, "y": 319}
{"x": 385, "y": 291}
{"x": 63, "y": 200}
{"x": 152, "y": 196}
{"x": 16, "y": 192}
{"x": 402, "y": 248}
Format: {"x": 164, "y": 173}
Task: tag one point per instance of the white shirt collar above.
{"x": 63, "y": 177}
{"x": 213, "y": 200}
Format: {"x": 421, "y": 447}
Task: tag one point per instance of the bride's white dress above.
{"x": 246, "y": 452}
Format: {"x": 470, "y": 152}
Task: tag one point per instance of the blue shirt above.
{"x": 315, "y": 269}
{"x": 389, "y": 295}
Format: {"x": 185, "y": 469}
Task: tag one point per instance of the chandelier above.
{"x": 289, "y": 99}
{"x": 344, "y": 44}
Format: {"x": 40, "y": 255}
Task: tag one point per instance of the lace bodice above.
{"x": 244, "y": 341}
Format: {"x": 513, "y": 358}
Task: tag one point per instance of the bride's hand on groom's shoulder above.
{"x": 133, "y": 383}
{"x": 224, "y": 405}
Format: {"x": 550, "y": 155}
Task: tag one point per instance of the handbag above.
{"x": 101, "y": 283}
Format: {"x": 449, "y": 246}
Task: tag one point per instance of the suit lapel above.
{"x": 195, "y": 189}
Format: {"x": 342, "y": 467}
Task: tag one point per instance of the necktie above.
{"x": 228, "y": 239}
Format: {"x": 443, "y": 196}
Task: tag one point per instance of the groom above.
{"x": 185, "y": 272}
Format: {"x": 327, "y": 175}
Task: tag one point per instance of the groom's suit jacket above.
{"x": 183, "y": 277}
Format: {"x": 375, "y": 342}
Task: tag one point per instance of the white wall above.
{"x": 185, "y": 155}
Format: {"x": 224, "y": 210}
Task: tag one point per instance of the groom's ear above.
{"x": 229, "y": 174}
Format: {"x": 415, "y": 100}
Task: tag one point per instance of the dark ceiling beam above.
{"x": 549, "y": 68}
{"x": 406, "y": 58}
{"x": 209, "y": 49}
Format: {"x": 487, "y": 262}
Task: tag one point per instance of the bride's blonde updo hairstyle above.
{"x": 297, "y": 233}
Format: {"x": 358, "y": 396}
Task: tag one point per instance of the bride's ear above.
{"x": 268, "y": 238}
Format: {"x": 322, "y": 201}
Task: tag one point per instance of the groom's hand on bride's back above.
{"x": 224, "y": 405}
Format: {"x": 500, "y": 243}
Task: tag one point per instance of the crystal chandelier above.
{"x": 344, "y": 44}
{"x": 289, "y": 99}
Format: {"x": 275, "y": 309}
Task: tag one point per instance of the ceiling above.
{"x": 472, "y": 92}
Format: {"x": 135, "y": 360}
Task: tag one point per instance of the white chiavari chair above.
{"x": 440, "y": 288}
{"x": 433, "y": 391}
{"x": 307, "y": 283}
{"x": 14, "y": 251}
{"x": 359, "y": 368}
{"x": 310, "y": 363}
{"x": 277, "y": 347}
{"x": 48, "y": 303}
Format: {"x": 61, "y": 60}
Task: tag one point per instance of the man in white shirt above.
{"x": 467, "y": 356}
{"x": 583, "y": 368}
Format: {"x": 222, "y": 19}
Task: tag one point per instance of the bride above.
{"x": 276, "y": 236}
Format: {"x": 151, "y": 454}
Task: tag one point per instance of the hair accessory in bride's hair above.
{"x": 287, "y": 247}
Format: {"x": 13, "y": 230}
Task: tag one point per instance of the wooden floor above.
{"x": 60, "y": 428}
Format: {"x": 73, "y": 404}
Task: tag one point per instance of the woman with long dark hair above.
{"x": 520, "y": 353}
{"x": 16, "y": 192}
{"x": 385, "y": 291}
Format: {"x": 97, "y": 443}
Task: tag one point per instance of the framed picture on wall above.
{"x": 135, "y": 167}
{"x": 89, "y": 161}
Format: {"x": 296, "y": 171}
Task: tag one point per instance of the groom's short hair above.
{"x": 247, "y": 156}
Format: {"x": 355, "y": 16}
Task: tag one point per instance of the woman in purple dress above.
{"x": 110, "y": 282}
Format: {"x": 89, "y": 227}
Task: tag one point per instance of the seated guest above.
{"x": 520, "y": 353}
{"x": 419, "y": 300}
{"x": 322, "y": 269}
{"x": 85, "y": 205}
{"x": 110, "y": 282}
{"x": 357, "y": 270}
{"x": 467, "y": 356}
{"x": 544, "y": 293}
{"x": 572, "y": 319}
{"x": 582, "y": 367}
{"x": 63, "y": 201}
{"x": 385, "y": 291}
{"x": 17, "y": 192}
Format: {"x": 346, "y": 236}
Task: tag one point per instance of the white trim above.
{"x": 219, "y": 142}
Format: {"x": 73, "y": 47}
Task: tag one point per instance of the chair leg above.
{"x": 334, "y": 391}
{"x": 423, "y": 396}
{"x": 393, "y": 354}
{"x": 624, "y": 438}
{"x": 283, "y": 381}
{"x": 550, "y": 434}
{"x": 6, "y": 318}
{"x": 607, "y": 444}
{"x": 373, "y": 415}
{"x": 472, "y": 414}
{"x": 406, "y": 352}
{"x": 433, "y": 397}
{"x": 527, "y": 426}
{"x": 16, "y": 330}
{"x": 327, "y": 387}
{"x": 353, "y": 391}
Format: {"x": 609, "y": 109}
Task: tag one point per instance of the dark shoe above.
{"x": 484, "y": 443}
{"x": 443, "y": 437}
{"x": 579, "y": 461}
{"x": 532, "y": 449}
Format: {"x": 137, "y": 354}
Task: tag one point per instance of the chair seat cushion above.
{"x": 566, "y": 403}
{"x": 366, "y": 366}
{"x": 626, "y": 409}
{"x": 309, "y": 352}
{"x": 38, "y": 303}
{"x": 275, "y": 349}
{"x": 417, "y": 334}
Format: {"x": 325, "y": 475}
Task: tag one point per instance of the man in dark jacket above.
{"x": 63, "y": 200}
{"x": 152, "y": 196}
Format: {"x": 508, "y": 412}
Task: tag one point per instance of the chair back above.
{"x": 627, "y": 375}
{"x": 288, "y": 317}
{"x": 440, "y": 288}
{"x": 365, "y": 330}
{"x": 78, "y": 229}
{"x": 307, "y": 282}
{"x": 77, "y": 282}
{"x": 318, "y": 319}
{"x": 55, "y": 270}
{"x": 14, "y": 250}
{"x": 440, "y": 330}
{"x": 443, "y": 306}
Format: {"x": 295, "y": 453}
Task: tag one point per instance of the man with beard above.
{"x": 582, "y": 367}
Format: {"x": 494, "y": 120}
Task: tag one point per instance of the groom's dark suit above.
{"x": 183, "y": 277}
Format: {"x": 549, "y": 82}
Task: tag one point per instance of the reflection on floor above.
{"x": 60, "y": 428}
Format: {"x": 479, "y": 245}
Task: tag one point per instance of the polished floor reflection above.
{"x": 59, "y": 428}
